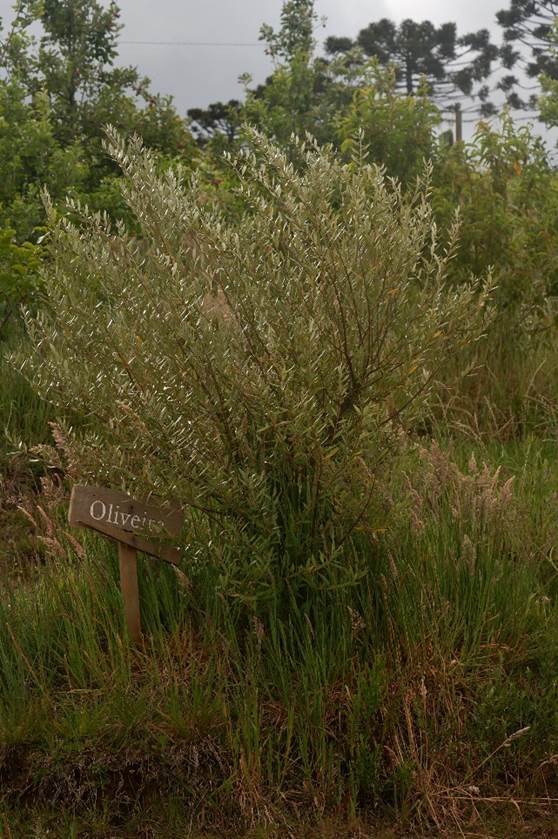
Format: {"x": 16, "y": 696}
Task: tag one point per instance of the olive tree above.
{"x": 257, "y": 368}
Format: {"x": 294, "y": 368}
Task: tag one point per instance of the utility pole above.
{"x": 458, "y": 123}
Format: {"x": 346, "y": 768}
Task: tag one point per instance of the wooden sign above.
{"x": 142, "y": 525}
{"x": 136, "y": 526}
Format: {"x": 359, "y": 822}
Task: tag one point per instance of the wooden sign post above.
{"x": 136, "y": 526}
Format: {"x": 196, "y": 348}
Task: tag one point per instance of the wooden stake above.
{"x": 128, "y": 561}
{"x": 136, "y": 526}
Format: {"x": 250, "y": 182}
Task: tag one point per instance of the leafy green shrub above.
{"x": 19, "y": 280}
{"x": 507, "y": 195}
{"x": 30, "y": 157}
{"x": 255, "y": 370}
{"x": 397, "y": 130}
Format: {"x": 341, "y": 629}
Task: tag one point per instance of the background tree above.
{"x": 295, "y": 35}
{"x": 548, "y": 101}
{"x": 59, "y": 88}
{"x": 397, "y": 132}
{"x": 346, "y": 100}
{"x": 454, "y": 67}
{"x": 528, "y": 39}
{"x": 219, "y": 119}
{"x": 73, "y": 61}
{"x": 31, "y": 157}
{"x": 283, "y": 105}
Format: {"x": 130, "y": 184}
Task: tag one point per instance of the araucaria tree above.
{"x": 453, "y": 67}
{"x": 528, "y": 45}
{"x": 257, "y": 368}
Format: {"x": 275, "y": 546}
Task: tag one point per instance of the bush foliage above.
{"x": 257, "y": 369}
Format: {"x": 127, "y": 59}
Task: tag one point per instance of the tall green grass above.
{"x": 422, "y": 691}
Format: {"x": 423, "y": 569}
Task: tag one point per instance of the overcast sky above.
{"x": 197, "y": 75}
